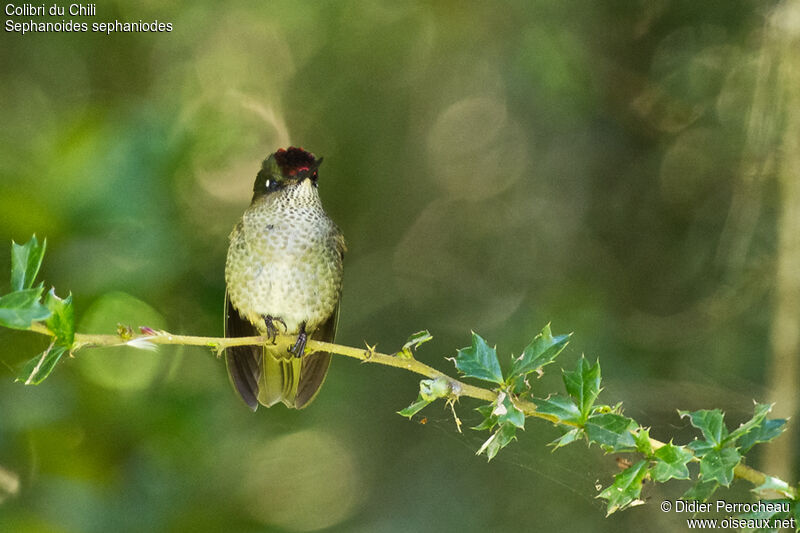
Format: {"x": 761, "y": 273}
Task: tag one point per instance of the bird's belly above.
{"x": 297, "y": 288}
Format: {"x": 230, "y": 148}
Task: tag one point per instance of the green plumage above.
{"x": 284, "y": 264}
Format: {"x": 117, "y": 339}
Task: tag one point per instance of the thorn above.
{"x": 125, "y": 332}
{"x": 218, "y": 349}
{"x": 369, "y": 352}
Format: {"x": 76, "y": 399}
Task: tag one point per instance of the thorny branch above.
{"x": 150, "y": 338}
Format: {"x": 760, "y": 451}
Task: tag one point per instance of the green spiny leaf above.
{"x": 541, "y": 351}
{"x": 21, "y": 299}
{"x": 766, "y": 431}
{"x": 479, "y": 361}
{"x": 643, "y": 445}
{"x": 626, "y": 489}
{"x": 710, "y": 422}
{"x": 25, "y": 262}
{"x": 718, "y": 465}
{"x": 414, "y": 408}
{"x": 561, "y": 407}
{"x": 612, "y": 431}
{"x": 501, "y": 438}
{"x": 507, "y": 413}
{"x": 700, "y": 447}
{"x": 570, "y": 436}
{"x": 489, "y": 420}
{"x": 518, "y": 385}
{"x": 701, "y": 491}
{"x": 774, "y": 485}
{"x": 583, "y": 384}
{"x": 671, "y": 463}
{"x": 37, "y": 369}
{"x": 19, "y": 309}
{"x": 429, "y": 390}
{"x": 761, "y": 411}
{"x": 413, "y": 342}
{"x": 62, "y": 318}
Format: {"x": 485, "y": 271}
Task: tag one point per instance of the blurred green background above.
{"x": 612, "y": 167}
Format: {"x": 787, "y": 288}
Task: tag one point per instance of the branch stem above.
{"x": 365, "y": 355}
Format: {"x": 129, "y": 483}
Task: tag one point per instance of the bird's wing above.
{"x": 315, "y": 365}
{"x": 243, "y": 362}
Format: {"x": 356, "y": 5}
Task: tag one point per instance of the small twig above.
{"x": 282, "y": 341}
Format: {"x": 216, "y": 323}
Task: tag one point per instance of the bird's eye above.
{"x": 268, "y": 184}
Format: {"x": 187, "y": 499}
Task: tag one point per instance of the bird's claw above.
{"x": 299, "y": 347}
{"x": 272, "y": 330}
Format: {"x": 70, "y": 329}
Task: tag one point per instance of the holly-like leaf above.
{"x": 62, "y": 318}
{"x": 570, "y": 436}
{"x": 25, "y": 262}
{"x": 413, "y": 342}
{"x": 671, "y": 463}
{"x": 518, "y": 385}
{"x": 718, "y": 465}
{"x": 700, "y": 447}
{"x": 626, "y": 489}
{"x": 501, "y": 438}
{"x": 583, "y": 384}
{"x": 761, "y": 411}
{"x": 489, "y": 420}
{"x": 612, "y": 431}
{"x": 23, "y": 298}
{"x": 414, "y": 408}
{"x": 766, "y": 431}
{"x": 507, "y": 413}
{"x": 541, "y": 351}
{"x": 773, "y": 485}
{"x": 479, "y": 361}
{"x": 643, "y": 444}
{"x": 710, "y": 422}
{"x": 19, "y": 309}
{"x": 701, "y": 491}
{"x": 561, "y": 407}
{"x": 429, "y": 390}
{"x": 37, "y": 369}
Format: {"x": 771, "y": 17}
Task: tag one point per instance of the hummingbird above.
{"x": 283, "y": 273}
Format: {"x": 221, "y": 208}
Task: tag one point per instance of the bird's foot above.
{"x": 272, "y": 329}
{"x": 299, "y": 347}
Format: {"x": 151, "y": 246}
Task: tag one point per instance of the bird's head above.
{"x": 284, "y": 168}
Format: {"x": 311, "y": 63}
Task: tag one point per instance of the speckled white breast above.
{"x": 285, "y": 260}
